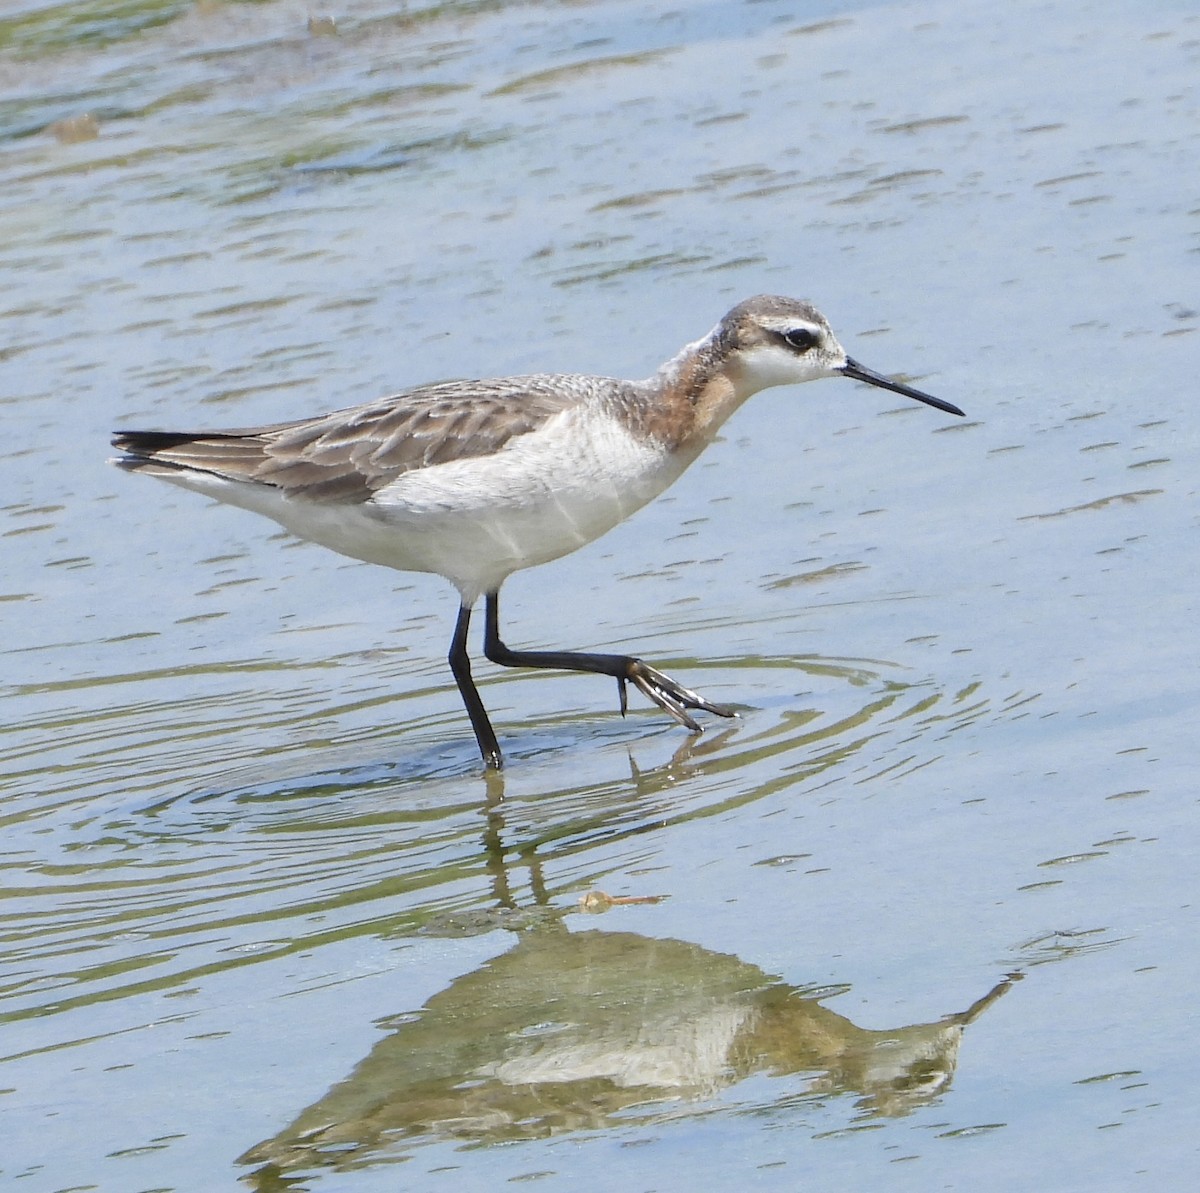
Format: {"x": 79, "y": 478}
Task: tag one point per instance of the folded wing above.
{"x": 349, "y": 455}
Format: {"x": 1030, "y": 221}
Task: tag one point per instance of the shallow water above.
{"x": 263, "y": 918}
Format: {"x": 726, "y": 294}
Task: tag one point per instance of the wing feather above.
{"x": 351, "y": 454}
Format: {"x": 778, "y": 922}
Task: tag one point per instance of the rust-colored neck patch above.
{"x": 684, "y": 404}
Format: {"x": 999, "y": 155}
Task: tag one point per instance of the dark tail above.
{"x": 232, "y": 454}
{"x": 140, "y": 449}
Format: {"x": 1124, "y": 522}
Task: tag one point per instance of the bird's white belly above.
{"x": 477, "y": 520}
{"x": 547, "y": 493}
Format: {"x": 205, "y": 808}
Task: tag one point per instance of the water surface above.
{"x": 920, "y": 918}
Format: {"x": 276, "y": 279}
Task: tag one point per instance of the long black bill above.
{"x": 861, "y": 373}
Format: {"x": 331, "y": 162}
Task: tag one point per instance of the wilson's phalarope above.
{"x": 474, "y": 480}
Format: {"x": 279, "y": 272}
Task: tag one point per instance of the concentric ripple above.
{"x": 151, "y": 842}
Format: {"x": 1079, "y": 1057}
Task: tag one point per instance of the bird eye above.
{"x": 801, "y": 338}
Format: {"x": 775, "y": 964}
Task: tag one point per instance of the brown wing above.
{"x": 350, "y": 454}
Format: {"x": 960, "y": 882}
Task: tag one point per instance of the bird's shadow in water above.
{"x": 587, "y": 1029}
{"x": 590, "y": 1030}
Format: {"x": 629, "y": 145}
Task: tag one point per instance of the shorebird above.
{"x": 475, "y": 480}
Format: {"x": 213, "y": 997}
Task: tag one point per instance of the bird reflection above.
{"x": 585, "y": 1029}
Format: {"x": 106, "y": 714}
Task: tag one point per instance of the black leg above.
{"x": 670, "y": 696}
{"x": 460, "y": 664}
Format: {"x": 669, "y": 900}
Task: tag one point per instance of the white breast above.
{"x": 477, "y": 520}
{"x": 545, "y": 494}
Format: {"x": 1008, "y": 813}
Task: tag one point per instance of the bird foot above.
{"x": 670, "y": 696}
